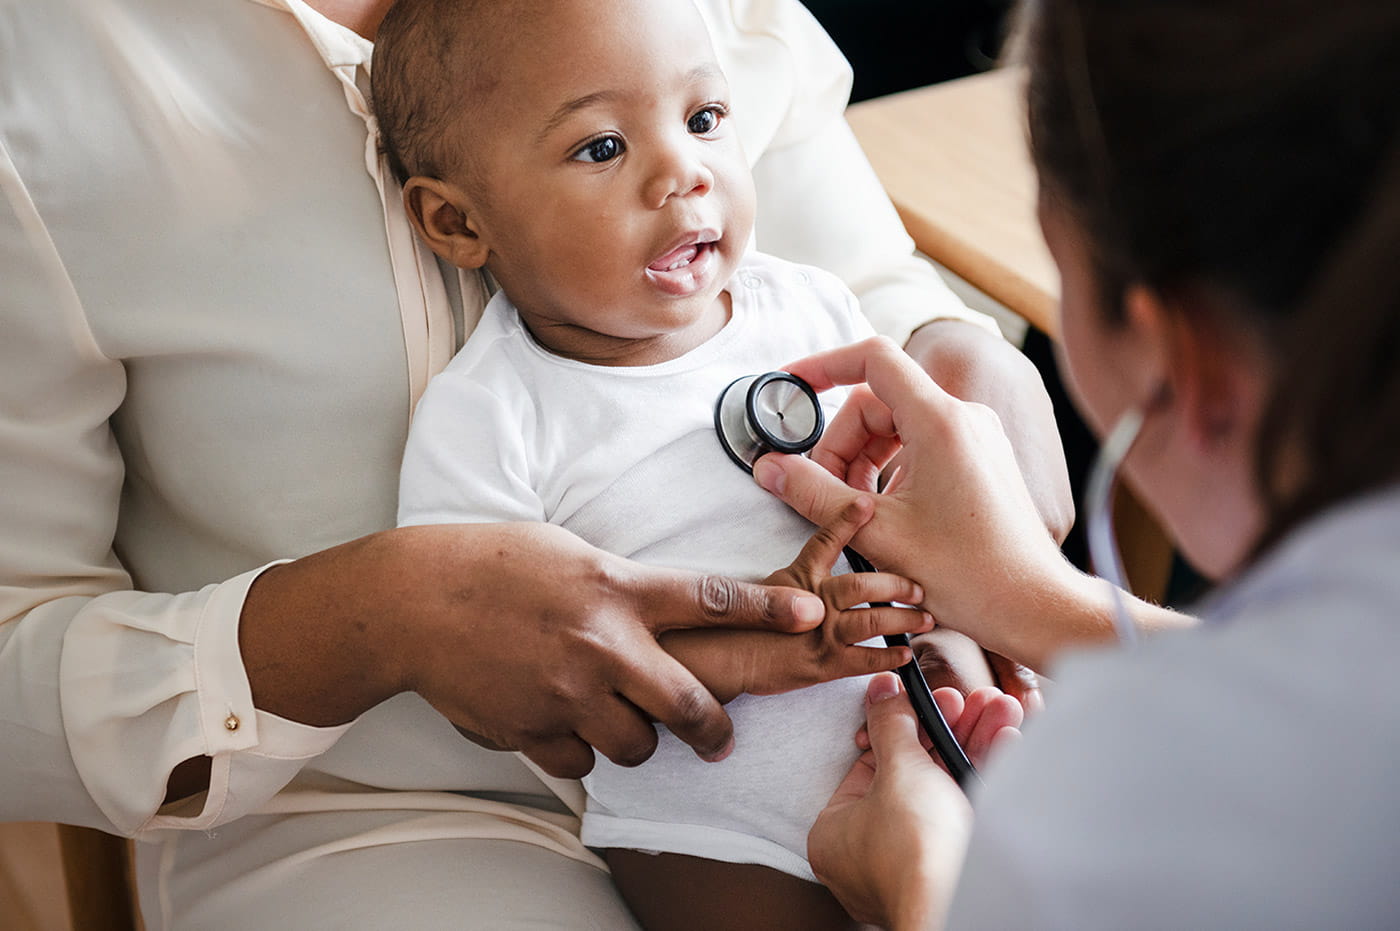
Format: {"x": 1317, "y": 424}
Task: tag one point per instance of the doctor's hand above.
{"x": 731, "y": 663}
{"x": 957, "y": 517}
{"x": 891, "y": 841}
{"x": 973, "y": 364}
{"x": 520, "y": 634}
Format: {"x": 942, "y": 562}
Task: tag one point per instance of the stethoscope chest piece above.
{"x": 771, "y": 413}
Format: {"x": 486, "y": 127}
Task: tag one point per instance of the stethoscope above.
{"x": 779, "y": 412}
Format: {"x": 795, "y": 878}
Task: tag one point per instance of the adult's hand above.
{"x": 890, "y": 843}
{"x": 732, "y": 663}
{"x": 973, "y": 364}
{"x": 519, "y": 633}
{"x": 957, "y": 518}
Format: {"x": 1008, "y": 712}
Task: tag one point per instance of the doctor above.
{"x": 1220, "y": 187}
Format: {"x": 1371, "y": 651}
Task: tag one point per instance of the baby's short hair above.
{"x": 429, "y": 70}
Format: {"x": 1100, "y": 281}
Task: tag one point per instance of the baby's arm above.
{"x": 763, "y": 663}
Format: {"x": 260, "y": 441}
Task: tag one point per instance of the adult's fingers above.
{"x": 989, "y": 712}
{"x": 617, "y": 729}
{"x": 859, "y": 441}
{"x": 670, "y": 599}
{"x": 657, "y": 683}
{"x": 851, "y": 364}
{"x": 1020, "y": 682}
{"x": 804, "y": 486}
{"x": 564, "y": 757}
{"x": 892, "y": 727}
{"x": 894, "y": 377}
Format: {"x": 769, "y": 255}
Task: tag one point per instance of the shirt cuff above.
{"x": 898, "y": 307}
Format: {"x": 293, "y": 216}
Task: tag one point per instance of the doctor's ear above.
{"x": 1194, "y": 361}
{"x": 441, "y": 213}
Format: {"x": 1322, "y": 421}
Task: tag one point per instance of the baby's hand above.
{"x": 982, "y": 721}
{"x": 764, "y": 663}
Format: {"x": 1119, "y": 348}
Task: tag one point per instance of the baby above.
{"x": 583, "y": 153}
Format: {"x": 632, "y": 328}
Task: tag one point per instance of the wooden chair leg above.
{"x": 98, "y": 869}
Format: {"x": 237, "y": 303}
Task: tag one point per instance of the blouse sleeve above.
{"x": 103, "y": 689}
{"x": 819, "y": 201}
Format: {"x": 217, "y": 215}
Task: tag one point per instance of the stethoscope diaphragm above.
{"x": 775, "y": 412}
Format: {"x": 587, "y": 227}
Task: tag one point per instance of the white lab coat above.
{"x": 1240, "y": 775}
{"x": 213, "y": 325}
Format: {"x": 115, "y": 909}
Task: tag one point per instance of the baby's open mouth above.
{"x": 680, "y": 257}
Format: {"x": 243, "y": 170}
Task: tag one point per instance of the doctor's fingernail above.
{"x": 881, "y": 688}
{"x": 809, "y": 609}
{"x": 770, "y": 476}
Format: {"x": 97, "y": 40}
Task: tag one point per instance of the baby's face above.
{"x": 614, "y": 196}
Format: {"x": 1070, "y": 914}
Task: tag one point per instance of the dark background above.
{"x": 895, "y": 45}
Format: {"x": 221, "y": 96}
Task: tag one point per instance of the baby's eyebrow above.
{"x": 571, "y": 107}
{"x": 696, "y": 75}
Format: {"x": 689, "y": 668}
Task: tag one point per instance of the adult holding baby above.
{"x": 1220, "y": 187}
{"x": 216, "y": 321}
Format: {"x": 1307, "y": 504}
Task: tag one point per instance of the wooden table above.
{"x": 953, "y": 158}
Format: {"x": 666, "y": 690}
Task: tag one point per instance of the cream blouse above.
{"x": 214, "y": 322}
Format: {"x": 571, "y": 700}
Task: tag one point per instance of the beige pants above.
{"x": 266, "y": 872}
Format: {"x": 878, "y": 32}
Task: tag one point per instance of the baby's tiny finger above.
{"x": 847, "y": 591}
{"x": 866, "y": 661}
{"x": 860, "y": 624}
{"x": 950, "y": 703}
{"x": 999, "y": 713}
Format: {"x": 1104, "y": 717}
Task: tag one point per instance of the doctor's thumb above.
{"x": 891, "y": 724}
{"x": 804, "y": 486}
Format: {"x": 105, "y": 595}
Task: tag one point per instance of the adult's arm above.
{"x": 103, "y": 689}
{"x": 958, "y": 519}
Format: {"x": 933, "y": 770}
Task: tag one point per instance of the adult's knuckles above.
{"x": 720, "y": 598}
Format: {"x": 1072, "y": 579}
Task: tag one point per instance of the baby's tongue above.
{"x": 684, "y": 256}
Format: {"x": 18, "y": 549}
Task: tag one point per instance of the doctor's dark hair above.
{"x": 1251, "y": 149}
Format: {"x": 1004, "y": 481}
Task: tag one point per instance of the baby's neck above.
{"x": 571, "y": 341}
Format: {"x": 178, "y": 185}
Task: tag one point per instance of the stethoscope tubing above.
{"x": 931, "y": 719}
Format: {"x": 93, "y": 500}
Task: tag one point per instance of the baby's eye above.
{"x": 705, "y": 121}
{"x": 602, "y": 149}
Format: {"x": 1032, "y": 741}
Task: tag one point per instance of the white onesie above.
{"x": 627, "y": 458}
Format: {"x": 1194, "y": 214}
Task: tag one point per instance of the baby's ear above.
{"x": 441, "y": 213}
